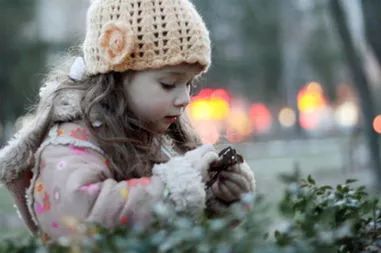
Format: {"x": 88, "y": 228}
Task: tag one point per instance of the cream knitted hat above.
{"x": 141, "y": 34}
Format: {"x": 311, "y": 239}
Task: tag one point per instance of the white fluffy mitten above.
{"x": 184, "y": 178}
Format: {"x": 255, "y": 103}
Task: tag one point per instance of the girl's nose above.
{"x": 183, "y": 98}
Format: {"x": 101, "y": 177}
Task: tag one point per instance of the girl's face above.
{"x": 159, "y": 96}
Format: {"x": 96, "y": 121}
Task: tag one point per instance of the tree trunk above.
{"x": 371, "y": 10}
{"x": 361, "y": 83}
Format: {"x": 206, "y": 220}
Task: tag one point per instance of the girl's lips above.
{"x": 171, "y": 119}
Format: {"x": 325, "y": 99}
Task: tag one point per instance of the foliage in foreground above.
{"x": 312, "y": 219}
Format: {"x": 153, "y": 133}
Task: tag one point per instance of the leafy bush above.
{"x": 312, "y": 219}
{"x": 344, "y": 219}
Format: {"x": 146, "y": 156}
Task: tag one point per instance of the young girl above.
{"x": 109, "y": 138}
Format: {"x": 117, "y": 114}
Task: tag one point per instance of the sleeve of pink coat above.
{"x": 75, "y": 185}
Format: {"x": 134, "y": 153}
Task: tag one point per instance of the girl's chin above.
{"x": 159, "y": 128}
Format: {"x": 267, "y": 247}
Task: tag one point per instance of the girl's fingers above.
{"x": 234, "y": 168}
{"x": 223, "y": 193}
{"x": 234, "y": 189}
{"x": 249, "y": 174}
{"x": 244, "y": 170}
{"x": 237, "y": 179}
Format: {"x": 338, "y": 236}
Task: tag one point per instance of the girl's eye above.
{"x": 167, "y": 86}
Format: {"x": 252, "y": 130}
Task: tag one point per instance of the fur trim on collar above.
{"x": 18, "y": 155}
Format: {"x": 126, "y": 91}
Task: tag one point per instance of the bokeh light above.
{"x": 238, "y": 124}
{"x": 311, "y": 97}
{"x": 209, "y": 131}
{"x": 221, "y": 94}
{"x": 287, "y": 117}
{"x": 215, "y": 114}
{"x": 311, "y": 105}
{"x": 309, "y": 121}
{"x": 377, "y": 124}
{"x": 200, "y": 110}
{"x": 260, "y": 117}
{"x": 208, "y": 112}
{"x": 209, "y": 105}
{"x": 347, "y": 114}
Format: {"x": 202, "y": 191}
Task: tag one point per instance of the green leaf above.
{"x": 326, "y": 187}
{"x": 311, "y": 180}
{"x": 350, "y": 181}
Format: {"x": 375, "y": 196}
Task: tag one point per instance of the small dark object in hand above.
{"x": 228, "y": 157}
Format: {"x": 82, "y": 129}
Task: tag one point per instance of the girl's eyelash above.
{"x": 167, "y": 85}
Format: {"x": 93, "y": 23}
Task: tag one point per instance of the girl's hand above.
{"x": 235, "y": 181}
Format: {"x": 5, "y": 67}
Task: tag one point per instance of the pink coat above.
{"x": 72, "y": 182}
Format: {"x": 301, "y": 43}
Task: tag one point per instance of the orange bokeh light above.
{"x": 214, "y": 113}
{"x": 238, "y": 124}
{"x": 377, "y": 124}
{"x": 208, "y": 111}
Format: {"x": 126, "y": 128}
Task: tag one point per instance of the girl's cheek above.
{"x": 159, "y": 106}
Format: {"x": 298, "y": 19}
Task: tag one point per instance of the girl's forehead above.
{"x": 181, "y": 70}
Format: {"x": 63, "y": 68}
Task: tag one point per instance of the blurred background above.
{"x": 294, "y": 83}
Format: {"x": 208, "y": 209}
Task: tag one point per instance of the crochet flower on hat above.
{"x": 116, "y": 42}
